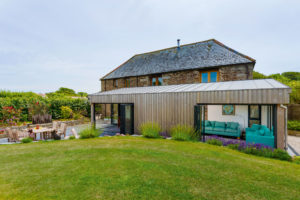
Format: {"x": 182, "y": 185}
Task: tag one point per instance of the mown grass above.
{"x": 140, "y": 168}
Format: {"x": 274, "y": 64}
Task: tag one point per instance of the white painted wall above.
{"x": 214, "y": 113}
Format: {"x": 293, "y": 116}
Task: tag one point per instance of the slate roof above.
{"x": 206, "y": 54}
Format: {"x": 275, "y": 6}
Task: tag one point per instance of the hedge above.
{"x": 78, "y": 105}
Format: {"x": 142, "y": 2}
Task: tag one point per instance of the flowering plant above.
{"x": 10, "y": 115}
{"x": 249, "y": 148}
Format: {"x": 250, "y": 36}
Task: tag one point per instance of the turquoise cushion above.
{"x": 229, "y": 130}
{"x": 255, "y": 126}
{"x": 207, "y": 123}
{"x": 213, "y": 123}
{"x": 266, "y": 129}
{"x": 228, "y": 125}
{"x": 219, "y": 129}
{"x": 234, "y": 125}
{"x": 261, "y": 132}
{"x": 208, "y": 128}
{"x": 220, "y": 124}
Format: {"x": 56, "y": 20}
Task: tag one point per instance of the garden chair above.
{"x": 74, "y": 132}
{"x": 62, "y": 130}
{"x": 55, "y": 126}
{"x": 9, "y": 135}
{"x": 19, "y": 135}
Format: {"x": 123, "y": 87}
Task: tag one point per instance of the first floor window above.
{"x": 156, "y": 80}
{"x": 209, "y": 76}
{"x": 127, "y": 82}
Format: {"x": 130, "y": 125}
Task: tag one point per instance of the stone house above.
{"x": 187, "y": 84}
{"x": 200, "y": 62}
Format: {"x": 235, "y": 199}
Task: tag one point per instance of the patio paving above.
{"x": 294, "y": 145}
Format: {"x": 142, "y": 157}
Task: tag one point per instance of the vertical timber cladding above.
{"x": 166, "y": 109}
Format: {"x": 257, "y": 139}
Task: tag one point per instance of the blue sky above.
{"x": 48, "y": 44}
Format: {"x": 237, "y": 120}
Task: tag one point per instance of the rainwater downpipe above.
{"x": 285, "y": 125}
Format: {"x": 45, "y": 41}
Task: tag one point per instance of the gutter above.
{"x": 285, "y": 126}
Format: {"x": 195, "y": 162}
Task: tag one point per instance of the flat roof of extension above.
{"x": 257, "y": 84}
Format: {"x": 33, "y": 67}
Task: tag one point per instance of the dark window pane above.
{"x": 213, "y": 76}
{"x": 254, "y": 111}
{"x": 160, "y": 81}
{"x": 204, "y": 78}
{"x": 154, "y": 81}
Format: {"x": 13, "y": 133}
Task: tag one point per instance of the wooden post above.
{"x": 93, "y": 116}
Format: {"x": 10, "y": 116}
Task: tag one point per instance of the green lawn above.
{"x": 139, "y": 168}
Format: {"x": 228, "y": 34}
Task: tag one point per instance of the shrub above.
{"x": 281, "y": 155}
{"x": 150, "y": 130}
{"x": 10, "y": 115}
{"x": 66, "y": 112}
{"x": 77, "y": 116}
{"x": 183, "y": 133}
{"x": 296, "y": 160}
{"x": 26, "y": 140}
{"x": 89, "y": 133}
{"x": 215, "y": 142}
{"x": 294, "y": 125}
{"x": 72, "y": 137}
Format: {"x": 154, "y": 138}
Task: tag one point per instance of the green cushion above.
{"x": 213, "y": 123}
{"x": 255, "y": 126}
{"x": 261, "y": 132}
{"x": 207, "y": 123}
{"x": 228, "y": 125}
{"x": 234, "y": 125}
{"x": 220, "y": 124}
{"x": 229, "y": 130}
{"x": 219, "y": 129}
{"x": 208, "y": 128}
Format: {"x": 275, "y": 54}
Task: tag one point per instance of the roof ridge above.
{"x": 234, "y": 51}
{"x": 174, "y": 47}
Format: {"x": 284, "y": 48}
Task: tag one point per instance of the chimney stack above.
{"x": 178, "y": 44}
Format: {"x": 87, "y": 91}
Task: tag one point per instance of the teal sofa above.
{"x": 260, "y": 134}
{"x": 222, "y": 128}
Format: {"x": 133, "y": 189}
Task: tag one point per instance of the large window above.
{"x": 254, "y": 112}
{"x": 209, "y": 76}
{"x": 156, "y": 80}
{"x": 127, "y": 82}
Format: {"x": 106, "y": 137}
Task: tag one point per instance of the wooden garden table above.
{"x": 42, "y": 132}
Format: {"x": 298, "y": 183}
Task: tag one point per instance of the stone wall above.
{"x": 226, "y": 73}
{"x": 236, "y": 72}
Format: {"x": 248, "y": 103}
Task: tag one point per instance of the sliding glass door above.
{"x": 126, "y": 119}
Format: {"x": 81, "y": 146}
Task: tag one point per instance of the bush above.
{"x": 89, "y": 133}
{"x": 281, "y": 155}
{"x": 72, "y": 137}
{"x": 294, "y": 125}
{"x": 66, "y": 112}
{"x": 215, "y": 142}
{"x": 183, "y": 133}
{"x": 77, "y": 116}
{"x": 296, "y": 160}
{"x": 26, "y": 140}
{"x": 150, "y": 130}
